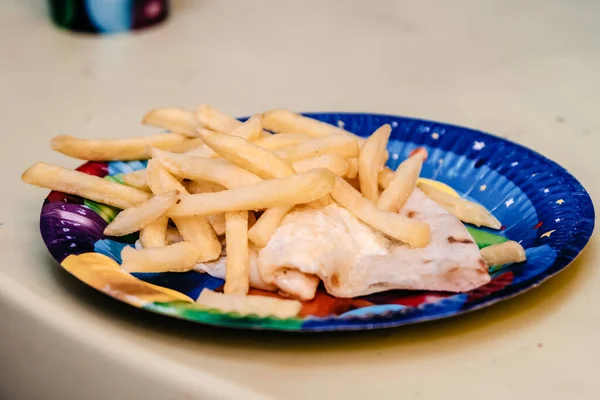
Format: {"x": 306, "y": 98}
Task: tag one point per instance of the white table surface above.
{"x": 528, "y": 70}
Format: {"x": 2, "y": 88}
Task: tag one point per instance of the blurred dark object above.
{"x": 107, "y": 16}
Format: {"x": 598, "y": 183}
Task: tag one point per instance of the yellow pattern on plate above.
{"x": 104, "y": 274}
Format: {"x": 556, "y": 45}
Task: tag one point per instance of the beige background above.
{"x": 526, "y": 70}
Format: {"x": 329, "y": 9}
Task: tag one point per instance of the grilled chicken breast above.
{"x": 352, "y": 259}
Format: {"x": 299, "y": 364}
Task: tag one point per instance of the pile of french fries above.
{"x": 212, "y": 173}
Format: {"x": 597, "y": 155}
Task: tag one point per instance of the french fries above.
{"x": 237, "y": 277}
{"x": 249, "y": 130}
{"x": 352, "y": 169}
{"x": 216, "y": 120}
{"x": 341, "y": 145}
{"x": 178, "y": 257}
{"x": 260, "y": 306}
{"x": 174, "y": 120}
{"x": 217, "y": 222}
{"x": 137, "y": 179}
{"x": 155, "y": 234}
{"x": 194, "y": 228}
{"x": 202, "y": 151}
{"x": 196, "y": 187}
{"x": 385, "y": 177}
{"x": 137, "y": 217}
{"x": 370, "y": 161}
{"x": 276, "y": 142}
{"x": 288, "y": 121}
{"x": 203, "y": 169}
{"x": 160, "y": 180}
{"x": 463, "y": 209}
{"x": 121, "y": 149}
{"x": 295, "y": 189}
{"x": 407, "y": 230}
{"x": 336, "y": 164}
{"x": 503, "y": 253}
{"x": 173, "y": 236}
{"x": 249, "y": 156}
{"x": 401, "y": 186}
{"x": 81, "y": 184}
{"x": 267, "y": 224}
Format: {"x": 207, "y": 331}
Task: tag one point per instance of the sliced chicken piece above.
{"x": 354, "y": 260}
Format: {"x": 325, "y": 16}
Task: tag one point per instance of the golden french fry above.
{"x": 173, "y": 236}
{"x": 178, "y": 257}
{"x": 407, "y": 230}
{"x": 353, "y": 169}
{"x": 503, "y": 253}
{"x": 137, "y": 179}
{"x": 220, "y": 171}
{"x": 135, "y": 218}
{"x": 268, "y": 141}
{"x": 249, "y": 156}
{"x": 281, "y": 140}
{"x": 249, "y": 130}
{"x": 194, "y": 228}
{"x": 385, "y": 177}
{"x": 289, "y": 121}
{"x": 295, "y": 189}
{"x": 155, "y": 234}
{"x": 121, "y": 149}
{"x": 333, "y": 162}
{"x": 160, "y": 180}
{"x": 465, "y": 210}
{"x": 195, "y": 187}
{"x": 80, "y": 184}
{"x": 217, "y": 222}
{"x": 216, "y": 120}
{"x": 370, "y": 161}
{"x": 237, "y": 273}
{"x": 405, "y": 178}
{"x": 267, "y": 224}
{"x": 174, "y": 120}
{"x": 261, "y": 306}
{"x": 202, "y": 151}
{"x": 342, "y": 145}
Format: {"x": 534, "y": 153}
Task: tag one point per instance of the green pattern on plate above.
{"x": 107, "y": 213}
{"x": 485, "y": 239}
{"x": 192, "y": 312}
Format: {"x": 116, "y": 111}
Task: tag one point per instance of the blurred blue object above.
{"x": 107, "y": 16}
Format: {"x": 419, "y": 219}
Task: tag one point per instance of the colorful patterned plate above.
{"x": 540, "y": 204}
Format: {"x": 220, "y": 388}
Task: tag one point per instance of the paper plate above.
{"x": 540, "y": 204}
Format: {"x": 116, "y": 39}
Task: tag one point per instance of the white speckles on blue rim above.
{"x": 482, "y": 188}
{"x": 509, "y": 202}
{"x": 514, "y": 164}
{"x": 478, "y": 145}
{"x": 557, "y": 220}
{"x": 546, "y": 190}
{"x": 340, "y": 123}
{"x": 435, "y": 136}
{"x": 395, "y": 156}
{"x": 394, "y": 124}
